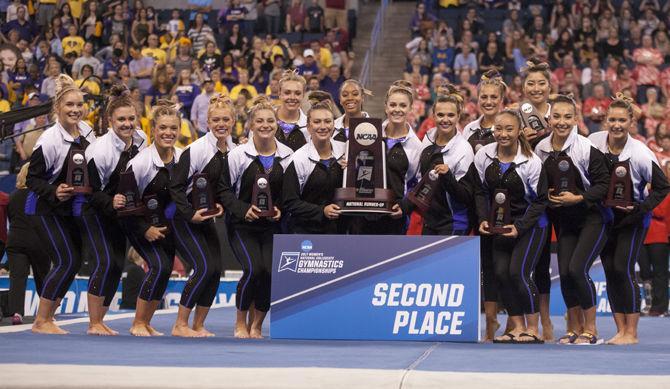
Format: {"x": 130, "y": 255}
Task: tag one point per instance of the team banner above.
{"x": 367, "y": 287}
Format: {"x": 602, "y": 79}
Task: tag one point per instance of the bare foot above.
{"x": 140, "y": 329}
{"x": 491, "y": 328}
{"x": 185, "y": 332}
{"x": 255, "y": 333}
{"x": 616, "y": 338}
{"x": 48, "y": 327}
{"x": 97, "y": 329}
{"x": 203, "y": 331}
{"x": 110, "y": 330}
{"x": 548, "y": 332}
{"x": 153, "y": 331}
{"x": 623, "y": 340}
{"x": 241, "y": 331}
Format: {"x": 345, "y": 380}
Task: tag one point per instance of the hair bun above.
{"x": 64, "y": 82}
{"x": 118, "y": 90}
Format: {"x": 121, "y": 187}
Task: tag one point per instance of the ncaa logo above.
{"x": 365, "y": 134}
{"x": 288, "y": 261}
{"x": 306, "y": 245}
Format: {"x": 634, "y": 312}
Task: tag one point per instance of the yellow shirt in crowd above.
{"x": 73, "y": 44}
{"x": 238, "y": 88}
{"x": 158, "y": 55}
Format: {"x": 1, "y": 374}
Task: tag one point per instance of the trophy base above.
{"x": 421, "y": 206}
{"x": 210, "y": 212}
{"x": 82, "y": 190}
{"x": 268, "y": 213}
{"x": 350, "y": 204}
{"x": 499, "y": 230}
{"x": 618, "y": 203}
{"x": 131, "y": 211}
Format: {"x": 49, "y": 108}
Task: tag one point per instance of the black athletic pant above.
{"x": 579, "y": 244}
{"x": 108, "y": 245}
{"x": 62, "y": 241}
{"x": 656, "y": 269}
{"x": 542, "y": 276}
{"x": 619, "y": 255}
{"x": 253, "y": 250}
{"x": 515, "y": 261}
{"x": 198, "y": 244}
{"x": 159, "y": 255}
{"x": 489, "y": 281}
{"x": 20, "y": 262}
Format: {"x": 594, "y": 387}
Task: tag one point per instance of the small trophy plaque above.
{"x": 364, "y": 184}
{"x": 533, "y": 119}
{"x": 128, "y": 188}
{"x": 562, "y": 176}
{"x": 261, "y": 195}
{"x": 202, "y": 196}
{"x": 422, "y": 194}
{"x": 154, "y": 211}
{"x": 500, "y": 212}
{"x": 77, "y": 172}
{"x": 620, "y": 193}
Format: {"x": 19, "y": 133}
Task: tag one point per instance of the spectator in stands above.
{"x": 49, "y": 83}
{"x": 22, "y": 25}
{"x": 511, "y": 24}
{"x": 152, "y": 50}
{"x": 234, "y": 15}
{"x": 234, "y": 41}
{"x": 624, "y": 81}
{"x": 243, "y": 84}
{"x": 73, "y": 43}
{"x": 421, "y": 20}
{"x": 333, "y": 82}
{"x": 200, "y": 106}
{"x": 186, "y": 91}
{"x": 310, "y": 67}
{"x": 211, "y": 59}
{"x": 595, "y": 108}
{"x": 87, "y": 58}
{"x": 612, "y": 45}
{"x": 336, "y": 14}
{"x": 200, "y": 33}
{"x": 141, "y": 68}
{"x": 466, "y": 59}
{"x": 415, "y": 69}
{"x": 295, "y": 17}
{"x": 596, "y": 79}
{"x": 272, "y": 14}
{"x": 646, "y": 72}
{"x": 314, "y": 21}
{"x": 491, "y": 59}
{"x": 594, "y": 67}
{"x": 161, "y": 87}
{"x": 141, "y": 27}
{"x": 653, "y": 112}
{"x": 229, "y": 72}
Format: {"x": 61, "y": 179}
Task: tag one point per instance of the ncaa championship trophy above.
{"x": 364, "y": 187}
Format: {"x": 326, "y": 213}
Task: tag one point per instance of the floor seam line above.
{"x": 416, "y": 363}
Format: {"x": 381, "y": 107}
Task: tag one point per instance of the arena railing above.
{"x": 375, "y": 36}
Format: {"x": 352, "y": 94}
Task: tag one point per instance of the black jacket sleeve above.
{"x": 536, "y": 208}
{"x": 600, "y": 178}
{"x": 178, "y": 185}
{"x": 659, "y": 189}
{"x": 292, "y": 202}
{"x": 36, "y": 181}
{"x": 237, "y": 208}
{"x": 99, "y": 200}
{"x": 461, "y": 190}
